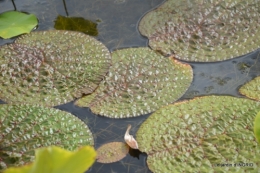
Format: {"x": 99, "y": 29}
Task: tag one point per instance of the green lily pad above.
{"x": 251, "y": 89}
{"x": 13, "y": 23}
{"x": 112, "y": 152}
{"x": 86, "y": 100}
{"x": 51, "y": 67}
{"x": 199, "y": 134}
{"x": 257, "y": 127}
{"x": 139, "y": 82}
{"x": 25, "y": 128}
{"x": 57, "y": 160}
{"x": 76, "y": 24}
{"x": 203, "y": 30}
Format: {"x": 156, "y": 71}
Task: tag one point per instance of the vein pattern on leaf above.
{"x": 203, "y": 31}
{"x": 25, "y": 128}
{"x": 194, "y": 135}
{"x": 51, "y": 67}
{"x": 139, "y": 81}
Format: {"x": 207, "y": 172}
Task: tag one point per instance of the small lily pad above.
{"x": 251, "y": 89}
{"x": 76, "y": 24}
{"x": 51, "y": 67}
{"x": 26, "y": 127}
{"x": 203, "y": 31}
{"x": 200, "y": 135}
{"x": 139, "y": 81}
{"x": 57, "y": 160}
{"x": 112, "y": 152}
{"x": 13, "y": 23}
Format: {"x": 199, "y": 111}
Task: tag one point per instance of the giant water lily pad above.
{"x": 24, "y": 128}
{"x": 139, "y": 82}
{"x": 251, "y": 89}
{"x": 13, "y": 23}
{"x": 203, "y": 30}
{"x": 51, "y": 67}
{"x": 112, "y": 152}
{"x": 196, "y": 135}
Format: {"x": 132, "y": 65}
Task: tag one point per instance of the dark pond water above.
{"x": 117, "y": 28}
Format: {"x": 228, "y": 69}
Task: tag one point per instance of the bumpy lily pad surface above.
{"x": 24, "y": 128}
{"x": 112, "y": 152}
{"x": 13, "y": 23}
{"x": 196, "y": 135}
{"x": 139, "y": 81}
{"x": 51, "y": 67}
{"x": 251, "y": 89}
{"x": 203, "y": 30}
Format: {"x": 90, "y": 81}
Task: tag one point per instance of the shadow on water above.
{"x": 118, "y": 29}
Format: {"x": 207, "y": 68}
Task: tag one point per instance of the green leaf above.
{"x": 86, "y": 100}
{"x": 51, "y": 67}
{"x": 13, "y": 23}
{"x": 76, "y": 24}
{"x": 22, "y": 169}
{"x": 251, "y": 89}
{"x": 257, "y": 127}
{"x": 203, "y": 31}
{"x": 25, "y": 128}
{"x": 139, "y": 81}
{"x": 196, "y": 135}
{"x": 57, "y": 160}
{"x": 112, "y": 152}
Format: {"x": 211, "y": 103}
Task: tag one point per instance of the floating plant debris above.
{"x": 195, "y": 135}
{"x": 203, "y": 31}
{"x": 51, "y": 67}
{"x": 76, "y": 24}
{"x": 139, "y": 82}
{"x": 25, "y": 128}
{"x": 129, "y": 139}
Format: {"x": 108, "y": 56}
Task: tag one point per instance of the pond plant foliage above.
{"x": 203, "y": 31}
{"x": 14, "y": 23}
{"x": 76, "y": 24}
{"x": 251, "y": 89}
{"x": 51, "y": 67}
{"x": 27, "y": 127}
{"x": 196, "y": 135}
{"x": 257, "y": 127}
{"x": 139, "y": 81}
{"x": 54, "y": 159}
{"x": 112, "y": 152}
